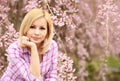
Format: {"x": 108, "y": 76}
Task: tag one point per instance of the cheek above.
{"x": 29, "y": 33}
{"x": 45, "y": 33}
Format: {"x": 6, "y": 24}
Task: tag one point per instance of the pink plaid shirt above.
{"x": 19, "y": 61}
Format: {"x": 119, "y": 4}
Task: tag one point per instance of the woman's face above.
{"x": 37, "y": 31}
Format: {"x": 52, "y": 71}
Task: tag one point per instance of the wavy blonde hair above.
{"x": 29, "y": 18}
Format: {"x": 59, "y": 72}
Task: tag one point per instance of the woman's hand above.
{"x": 25, "y": 41}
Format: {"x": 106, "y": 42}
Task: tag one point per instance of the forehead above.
{"x": 40, "y": 21}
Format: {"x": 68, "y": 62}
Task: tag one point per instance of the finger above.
{"x": 25, "y": 38}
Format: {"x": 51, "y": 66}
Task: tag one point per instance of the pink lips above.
{"x": 35, "y": 38}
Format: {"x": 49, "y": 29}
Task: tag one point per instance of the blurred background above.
{"x": 87, "y": 33}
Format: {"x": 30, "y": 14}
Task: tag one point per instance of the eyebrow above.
{"x": 40, "y": 26}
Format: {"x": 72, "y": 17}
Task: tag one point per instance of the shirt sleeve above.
{"x": 19, "y": 68}
{"x": 52, "y": 73}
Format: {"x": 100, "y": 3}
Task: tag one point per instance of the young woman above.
{"x": 33, "y": 57}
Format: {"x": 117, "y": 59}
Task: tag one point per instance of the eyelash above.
{"x": 40, "y": 27}
{"x": 32, "y": 27}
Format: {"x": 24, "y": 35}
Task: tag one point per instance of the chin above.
{"x": 37, "y": 42}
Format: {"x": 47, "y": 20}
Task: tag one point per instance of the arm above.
{"x": 34, "y": 62}
{"x": 52, "y": 73}
{"x": 17, "y": 68}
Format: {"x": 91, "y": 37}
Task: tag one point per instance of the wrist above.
{"x": 34, "y": 51}
{"x": 33, "y": 47}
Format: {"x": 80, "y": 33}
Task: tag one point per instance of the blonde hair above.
{"x": 30, "y": 17}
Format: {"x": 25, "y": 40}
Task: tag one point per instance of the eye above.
{"x": 32, "y": 27}
{"x": 42, "y": 28}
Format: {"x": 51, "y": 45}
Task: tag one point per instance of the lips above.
{"x": 35, "y": 38}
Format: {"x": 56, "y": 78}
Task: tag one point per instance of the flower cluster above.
{"x": 65, "y": 68}
{"x": 7, "y": 34}
{"x": 9, "y": 37}
{"x": 30, "y": 4}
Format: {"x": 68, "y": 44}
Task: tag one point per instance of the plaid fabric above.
{"x": 19, "y": 62}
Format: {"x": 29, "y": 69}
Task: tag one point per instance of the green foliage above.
{"x": 113, "y": 76}
{"x": 113, "y": 61}
{"x": 114, "y": 67}
{"x": 113, "y": 70}
{"x": 92, "y": 68}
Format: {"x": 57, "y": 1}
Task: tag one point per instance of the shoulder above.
{"x": 15, "y": 44}
{"x": 15, "y": 47}
{"x": 14, "y": 50}
{"x": 53, "y": 44}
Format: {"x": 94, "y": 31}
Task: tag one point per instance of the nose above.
{"x": 37, "y": 31}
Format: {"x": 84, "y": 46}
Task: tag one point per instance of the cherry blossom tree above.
{"x": 87, "y": 33}
{"x": 9, "y": 34}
